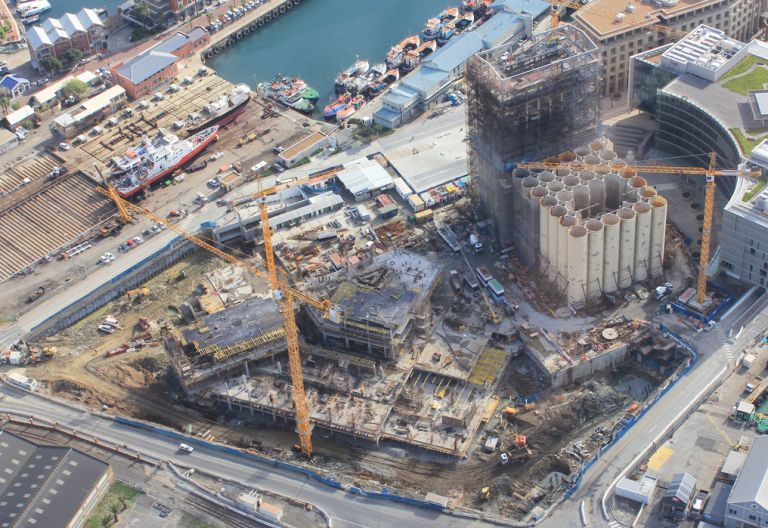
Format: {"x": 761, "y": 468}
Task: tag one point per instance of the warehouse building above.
{"x": 48, "y": 486}
{"x": 748, "y": 502}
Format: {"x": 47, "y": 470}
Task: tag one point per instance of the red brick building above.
{"x": 83, "y": 30}
{"x": 155, "y": 67}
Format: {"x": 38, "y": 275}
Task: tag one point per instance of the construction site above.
{"x": 477, "y": 345}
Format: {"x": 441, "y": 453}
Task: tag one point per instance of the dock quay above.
{"x": 242, "y": 27}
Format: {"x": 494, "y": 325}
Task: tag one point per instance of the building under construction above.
{"x": 527, "y": 101}
{"x": 598, "y": 230}
{"x": 385, "y": 304}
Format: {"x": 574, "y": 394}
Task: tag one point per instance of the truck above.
{"x": 455, "y": 281}
{"x": 21, "y": 381}
{"x": 663, "y": 291}
{"x": 474, "y": 241}
{"x": 484, "y": 275}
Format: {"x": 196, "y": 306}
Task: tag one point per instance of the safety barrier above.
{"x": 577, "y": 476}
{"x": 328, "y": 481}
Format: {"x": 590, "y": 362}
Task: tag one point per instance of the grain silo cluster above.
{"x": 599, "y": 230}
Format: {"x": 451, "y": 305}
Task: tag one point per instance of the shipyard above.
{"x": 481, "y": 274}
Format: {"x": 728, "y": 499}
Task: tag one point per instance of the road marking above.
{"x": 349, "y": 522}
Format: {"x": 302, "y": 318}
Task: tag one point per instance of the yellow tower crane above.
{"x": 710, "y": 173}
{"x": 283, "y": 293}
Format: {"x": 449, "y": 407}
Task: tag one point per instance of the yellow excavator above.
{"x": 138, "y": 294}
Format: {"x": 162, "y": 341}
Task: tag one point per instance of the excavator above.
{"x": 138, "y": 294}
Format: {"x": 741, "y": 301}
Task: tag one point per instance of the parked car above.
{"x": 214, "y": 183}
{"x": 64, "y": 146}
{"x": 106, "y": 258}
{"x": 138, "y": 240}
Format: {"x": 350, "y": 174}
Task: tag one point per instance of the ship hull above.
{"x": 221, "y": 119}
{"x": 183, "y": 161}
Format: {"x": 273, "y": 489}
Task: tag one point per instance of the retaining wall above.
{"x": 235, "y": 36}
{"x": 129, "y": 279}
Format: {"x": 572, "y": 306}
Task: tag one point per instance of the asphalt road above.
{"x": 346, "y": 509}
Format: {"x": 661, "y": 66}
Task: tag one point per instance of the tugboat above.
{"x": 292, "y": 92}
{"x": 447, "y": 31}
{"x": 155, "y": 158}
{"x": 373, "y": 77}
{"x": 431, "y": 28}
{"x": 222, "y": 111}
{"x": 331, "y": 110}
{"x": 360, "y": 67}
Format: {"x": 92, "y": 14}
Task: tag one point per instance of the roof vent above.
{"x": 620, "y": 17}
{"x": 629, "y": 8}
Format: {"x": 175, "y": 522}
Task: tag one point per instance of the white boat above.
{"x": 34, "y": 7}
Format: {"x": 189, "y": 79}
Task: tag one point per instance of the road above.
{"x": 347, "y": 510}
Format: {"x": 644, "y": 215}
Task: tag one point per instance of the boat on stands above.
{"x": 29, "y": 20}
{"x": 332, "y": 109}
{"x": 396, "y": 55}
{"x": 222, "y": 111}
{"x": 360, "y": 67}
{"x": 373, "y": 77}
{"x": 155, "y": 158}
{"x": 431, "y": 28}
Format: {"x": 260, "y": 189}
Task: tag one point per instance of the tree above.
{"x": 50, "y": 63}
{"x": 15, "y": 105}
{"x": 4, "y": 101}
{"x": 114, "y": 509}
{"x": 75, "y": 88}
{"x": 142, "y": 9}
{"x": 73, "y": 55}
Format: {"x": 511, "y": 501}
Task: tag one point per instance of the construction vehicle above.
{"x": 123, "y": 215}
{"x": 110, "y": 228}
{"x": 138, "y": 294}
{"x": 484, "y": 494}
{"x": 282, "y": 293}
{"x": 36, "y": 294}
{"x": 710, "y": 173}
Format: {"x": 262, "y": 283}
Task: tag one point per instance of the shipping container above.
{"x": 22, "y": 381}
{"x": 388, "y": 211}
{"x": 416, "y": 203}
{"x": 402, "y": 188}
{"x": 423, "y": 216}
{"x": 484, "y": 275}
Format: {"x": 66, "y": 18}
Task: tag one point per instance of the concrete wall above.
{"x": 134, "y": 276}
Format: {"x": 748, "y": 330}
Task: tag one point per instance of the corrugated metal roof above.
{"x": 89, "y": 17}
{"x": 145, "y": 65}
{"x": 19, "y": 115}
{"x": 316, "y": 205}
{"x": 681, "y": 488}
{"x": 37, "y": 38}
{"x": 363, "y": 179}
{"x": 752, "y": 483}
{"x": 178, "y": 39}
{"x": 11, "y": 81}
{"x": 71, "y": 24}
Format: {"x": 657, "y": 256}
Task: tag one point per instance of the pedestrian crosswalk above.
{"x": 726, "y": 347}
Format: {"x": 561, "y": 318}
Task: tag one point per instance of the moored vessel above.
{"x": 222, "y": 111}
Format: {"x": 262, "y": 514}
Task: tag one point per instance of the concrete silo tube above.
{"x": 546, "y": 176}
{"x": 581, "y": 152}
{"x": 596, "y": 147}
{"x": 613, "y": 193}
{"x": 552, "y": 159}
{"x": 611, "y": 248}
{"x": 658, "y": 234}
{"x": 596, "y": 197}
{"x": 581, "y": 200}
{"x": 567, "y": 157}
{"x": 562, "y": 172}
{"x": 529, "y": 182}
{"x": 587, "y": 175}
{"x": 565, "y": 198}
{"x": 519, "y": 174}
{"x": 591, "y": 159}
{"x": 555, "y": 186}
{"x": 570, "y": 180}
{"x": 555, "y": 213}
{"x": 566, "y": 222}
{"x": 646, "y": 193}
{"x": 606, "y": 156}
{"x": 545, "y": 203}
{"x": 617, "y": 164}
{"x": 627, "y": 247}
{"x": 642, "y": 240}
{"x": 577, "y": 265}
{"x": 595, "y": 258}
{"x": 601, "y": 170}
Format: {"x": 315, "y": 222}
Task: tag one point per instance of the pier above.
{"x": 242, "y": 27}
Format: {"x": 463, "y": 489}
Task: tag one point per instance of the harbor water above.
{"x": 59, "y": 7}
{"x": 319, "y": 38}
